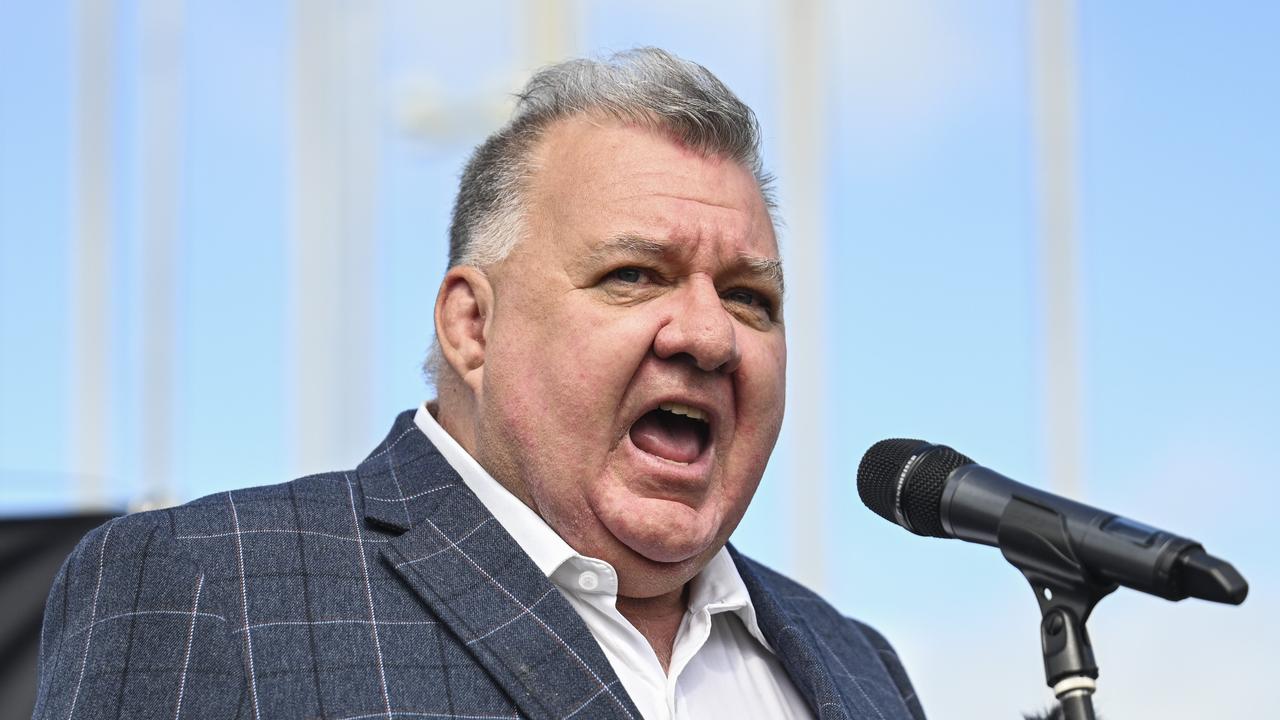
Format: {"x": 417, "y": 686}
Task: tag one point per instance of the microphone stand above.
{"x": 1034, "y": 539}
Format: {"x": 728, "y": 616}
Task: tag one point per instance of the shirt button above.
{"x": 588, "y": 580}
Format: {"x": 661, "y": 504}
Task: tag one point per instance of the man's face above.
{"x": 633, "y": 378}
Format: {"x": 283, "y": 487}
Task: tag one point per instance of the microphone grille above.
{"x": 922, "y": 492}
{"x": 879, "y": 470}
{"x": 920, "y": 498}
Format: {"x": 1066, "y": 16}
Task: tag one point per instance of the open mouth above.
{"x": 672, "y": 431}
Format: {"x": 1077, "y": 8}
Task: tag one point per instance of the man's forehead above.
{"x": 593, "y": 154}
{"x": 627, "y": 188}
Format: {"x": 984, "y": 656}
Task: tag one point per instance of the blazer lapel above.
{"x": 478, "y": 581}
{"x": 838, "y": 686}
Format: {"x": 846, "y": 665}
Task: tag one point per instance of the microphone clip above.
{"x": 1034, "y": 539}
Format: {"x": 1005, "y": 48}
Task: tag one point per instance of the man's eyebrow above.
{"x": 769, "y": 268}
{"x": 627, "y": 243}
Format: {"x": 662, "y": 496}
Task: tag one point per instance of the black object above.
{"x": 1054, "y": 713}
{"x": 1072, "y": 554}
{"x": 31, "y": 551}
{"x": 934, "y": 490}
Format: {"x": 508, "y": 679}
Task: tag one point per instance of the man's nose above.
{"x": 701, "y": 328}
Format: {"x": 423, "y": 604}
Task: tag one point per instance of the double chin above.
{"x": 659, "y": 529}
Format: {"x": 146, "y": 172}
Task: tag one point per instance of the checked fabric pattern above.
{"x": 385, "y": 592}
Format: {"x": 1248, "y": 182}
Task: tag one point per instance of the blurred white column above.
{"x": 159, "y": 144}
{"x": 361, "y": 108}
{"x": 434, "y": 114}
{"x": 1053, "y": 37}
{"x": 552, "y": 30}
{"x": 92, "y": 303}
{"x": 803, "y": 185}
{"x": 334, "y": 233}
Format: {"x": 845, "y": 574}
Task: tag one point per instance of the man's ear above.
{"x": 463, "y": 308}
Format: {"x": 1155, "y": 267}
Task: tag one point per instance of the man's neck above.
{"x": 658, "y": 619}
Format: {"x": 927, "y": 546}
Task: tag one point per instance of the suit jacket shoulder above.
{"x": 132, "y": 615}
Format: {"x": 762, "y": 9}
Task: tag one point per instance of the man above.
{"x": 547, "y": 539}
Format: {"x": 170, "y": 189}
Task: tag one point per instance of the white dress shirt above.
{"x": 721, "y": 665}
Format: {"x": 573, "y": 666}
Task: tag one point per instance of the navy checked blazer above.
{"x": 384, "y": 592}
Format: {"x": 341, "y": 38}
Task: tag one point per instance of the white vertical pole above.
{"x": 316, "y": 227}
{"x": 333, "y": 231}
{"x": 90, "y": 409}
{"x": 1053, "y": 25}
{"x": 358, "y": 105}
{"x": 802, "y": 180}
{"x": 551, "y": 31}
{"x": 160, "y": 96}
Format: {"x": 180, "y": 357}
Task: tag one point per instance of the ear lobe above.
{"x": 463, "y": 308}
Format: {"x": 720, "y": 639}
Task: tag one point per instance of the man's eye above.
{"x": 745, "y": 297}
{"x": 629, "y": 275}
{"x": 751, "y": 303}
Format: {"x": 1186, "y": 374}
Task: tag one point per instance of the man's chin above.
{"x": 660, "y": 531}
{"x": 641, "y": 576}
{"x": 663, "y": 550}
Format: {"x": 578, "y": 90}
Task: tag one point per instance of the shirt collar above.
{"x": 717, "y": 588}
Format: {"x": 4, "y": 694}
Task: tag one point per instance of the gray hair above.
{"x": 645, "y": 86}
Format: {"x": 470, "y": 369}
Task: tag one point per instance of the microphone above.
{"x": 935, "y": 491}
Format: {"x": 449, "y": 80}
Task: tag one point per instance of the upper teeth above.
{"x": 681, "y": 409}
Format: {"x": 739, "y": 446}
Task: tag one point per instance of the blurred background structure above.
{"x": 1045, "y": 233}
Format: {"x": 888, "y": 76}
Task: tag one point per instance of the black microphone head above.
{"x": 901, "y": 480}
{"x": 879, "y": 472}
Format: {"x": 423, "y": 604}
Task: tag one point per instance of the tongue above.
{"x": 668, "y": 436}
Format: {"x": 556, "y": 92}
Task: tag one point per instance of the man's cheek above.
{"x": 601, "y": 355}
{"x": 610, "y": 331}
{"x": 762, "y": 382}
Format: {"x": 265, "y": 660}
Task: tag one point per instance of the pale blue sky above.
{"x": 934, "y": 315}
